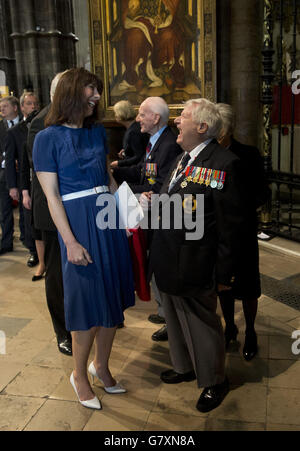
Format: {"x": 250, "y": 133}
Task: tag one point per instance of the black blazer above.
{"x": 256, "y": 194}
{"x": 24, "y": 169}
{"x": 3, "y": 136}
{"x": 162, "y": 155}
{"x": 25, "y": 176}
{"x": 182, "y": 266}
{"x": 14, "y": 149}
{"x": 41, "y": 216}
{"x": 134, "y": 145}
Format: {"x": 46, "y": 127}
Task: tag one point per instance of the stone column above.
{"x": 223, "y": 51}
{"x": 7, "y": 59}
{"x": 25, "y": 45}
{"x": 44, "y": 43}
{"x": 245, "y": 68}
{"x": 81, "y": 26}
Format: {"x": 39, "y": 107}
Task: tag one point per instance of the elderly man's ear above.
{"x": 202, "y": 128}
{"x": 157, "y": 119}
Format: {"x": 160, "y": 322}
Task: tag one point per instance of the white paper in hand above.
{"x": 130, "y": 211}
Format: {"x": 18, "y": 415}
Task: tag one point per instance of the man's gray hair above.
{"x": 54, "y": 83}
{"x": 206, "y": 112}
{"x": 11, "y": 99}
{"x": 228, "y": 118}
{"x": 159, "y": 106}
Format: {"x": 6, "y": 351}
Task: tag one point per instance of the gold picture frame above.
{"x": 142, "y": 48}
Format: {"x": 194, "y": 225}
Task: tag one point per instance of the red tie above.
{"x": 148, "y": 149}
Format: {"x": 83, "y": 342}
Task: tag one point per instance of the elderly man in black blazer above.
{"x": 161, "y": 151}
{"x": 189, "y": 272}
{"x": 149, "y": 175}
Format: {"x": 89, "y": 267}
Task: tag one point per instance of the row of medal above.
{"x": 151, "y": 172}
{"x": 210, "y": 177}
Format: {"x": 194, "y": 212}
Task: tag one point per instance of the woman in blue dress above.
{"x": 70, "y": 159}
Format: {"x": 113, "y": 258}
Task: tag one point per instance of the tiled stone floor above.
{"x": 35, "y": 393}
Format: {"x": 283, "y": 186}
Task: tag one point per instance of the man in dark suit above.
{"x": 14, "y": 148}
{"x": 149, "y": 175}
{"x": 42, "y": 220}
{"x": 161, "y": 152}
{"x": 189, "y": 271}
{"x": 9, "y": 107}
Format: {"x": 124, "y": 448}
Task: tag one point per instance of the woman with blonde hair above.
{"x": 134, "y": 141}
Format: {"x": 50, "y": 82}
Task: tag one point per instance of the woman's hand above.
{"x": 78, "y": 255}
{"x": 114, "y": 164}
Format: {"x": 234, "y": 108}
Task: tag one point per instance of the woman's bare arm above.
{"x": 77, "y": 254}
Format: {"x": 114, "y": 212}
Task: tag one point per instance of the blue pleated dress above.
{"x": 97, "y": 294}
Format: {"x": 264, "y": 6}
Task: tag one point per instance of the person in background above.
{"x": 70, "y": 159}
{"x": 246, "y": 285}
{"x": 134, "y": 141}
{"x": 14, "y": 149}
{"x": 44, "y": 229}
{"x": 26, "y": 188}
{"x": 9, "y": 107}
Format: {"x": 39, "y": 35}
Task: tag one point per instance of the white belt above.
{"x": 86, "y": 192}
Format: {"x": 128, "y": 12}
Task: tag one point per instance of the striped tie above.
{"x": 180, "y": 169}
{"x": 183, "y": 164}
{"x": 148, "y": 149}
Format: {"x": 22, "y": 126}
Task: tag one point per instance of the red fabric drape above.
{"x": 138, "y": 250}
{"x": 286, "y": 117}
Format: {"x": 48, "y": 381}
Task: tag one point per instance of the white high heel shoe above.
{"x": 90, "y": 403}
{"x": 115, "y": 389}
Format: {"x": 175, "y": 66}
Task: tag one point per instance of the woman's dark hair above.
{"x": 68, "y": 102}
